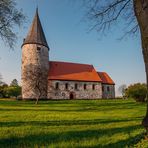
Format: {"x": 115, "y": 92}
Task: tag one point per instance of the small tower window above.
{"x": 66, "y": 86}
{"x": 76, "y": 86}
{"x": 93, "y": 86}
{"x": 57, "y": 85}
{"x": 108, "y": 89}
{"x": 84, "y": 86}
{"x": 38, "y": 48}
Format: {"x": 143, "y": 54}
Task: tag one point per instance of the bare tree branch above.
{"x": 103, "y": 15}
{"x": 10, "y": 18}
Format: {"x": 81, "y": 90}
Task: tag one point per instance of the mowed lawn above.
{"x": 71, "y": 123}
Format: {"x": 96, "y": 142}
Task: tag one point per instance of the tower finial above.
{"x": 37, "y": 9}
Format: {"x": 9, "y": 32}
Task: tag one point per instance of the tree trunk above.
{"x": 37, "y": 99}
{"x": 141, "y": 13}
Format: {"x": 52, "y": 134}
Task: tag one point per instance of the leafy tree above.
{"x": 12, "y": 91}
{"x": 10, "y": 17}
{"x": 3, "y": 86}
{"x": 137, "y": 91}
{"x": 14, "y": 82}
{"x": 106, "y": 13}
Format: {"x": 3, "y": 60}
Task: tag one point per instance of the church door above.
{"x": 71, "y": 96}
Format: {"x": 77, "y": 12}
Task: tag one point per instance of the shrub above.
{"x": 137, "y": 91}
{"x": 13, "y": 91}
{"x": 3, "y": 86}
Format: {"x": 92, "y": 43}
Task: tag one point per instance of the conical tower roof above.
{"x": 36, "y": 34}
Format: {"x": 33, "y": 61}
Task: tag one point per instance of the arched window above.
{"x": 57, "y": 85}
{"x": 84, "y": 86}
{"x": 66, "y": 86}
{"x": 76, "y": 86}
{"x": 93, "y": 86}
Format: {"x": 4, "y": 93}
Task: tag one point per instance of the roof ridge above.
{"x": 71, "y": 63}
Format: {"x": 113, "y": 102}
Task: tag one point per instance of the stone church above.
{"x": 46, "y": 79}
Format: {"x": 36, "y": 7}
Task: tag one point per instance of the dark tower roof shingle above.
{"x": 36, "y": 34}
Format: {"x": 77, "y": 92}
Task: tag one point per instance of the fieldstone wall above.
{"x": 35, "y": 83}
{"x": 108, "y": 91}
{"x": 93, "y": 90}
{"x": 35, "y": 67}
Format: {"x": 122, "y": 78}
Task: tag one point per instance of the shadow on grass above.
{"x": 66, "y": 122}
{"x": 57, "y": 137}
{"x": 78, "y": 137}
{"x": 130, "y": 142}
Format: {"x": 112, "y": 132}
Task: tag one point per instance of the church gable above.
{"x": 106, "y": 79}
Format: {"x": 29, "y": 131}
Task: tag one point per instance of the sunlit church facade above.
{"x": 46, "y": 79}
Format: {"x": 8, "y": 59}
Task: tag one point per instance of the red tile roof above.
{"x": 105, "y": 78}
{"x": 72, "y": 72}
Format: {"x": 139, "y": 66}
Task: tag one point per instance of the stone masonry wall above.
{"x": 91, "y": 92}
{"x": 35, "y": 66}
{"x": 108, "y": 91}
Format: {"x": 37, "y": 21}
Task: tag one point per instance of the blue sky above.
{"x": 67, "y": 34}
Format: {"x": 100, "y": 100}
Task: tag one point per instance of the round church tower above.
{"x": 35, "y": 62}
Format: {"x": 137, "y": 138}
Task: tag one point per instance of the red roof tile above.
{"x": 105, "y": 78}
{"x": 72, "y": 71}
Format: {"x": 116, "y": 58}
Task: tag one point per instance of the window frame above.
{"x": 108, "y": 88}
{"x": 66, "y": 86}
{"x": 85, "y": 86}
{"x": 76, "y": 86}
{"x": 103, "y": 88}
{"x": 57, "y": 85}
{"x": 93, "y": 87}
{"x": 38, "y": 48}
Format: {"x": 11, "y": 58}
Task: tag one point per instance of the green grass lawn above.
{"x": 71, "y": 123}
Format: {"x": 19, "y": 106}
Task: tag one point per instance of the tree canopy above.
{"x": 12, "y": 90}
{"x": 14, "y": 82}
{"x": 137, "y": 91}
